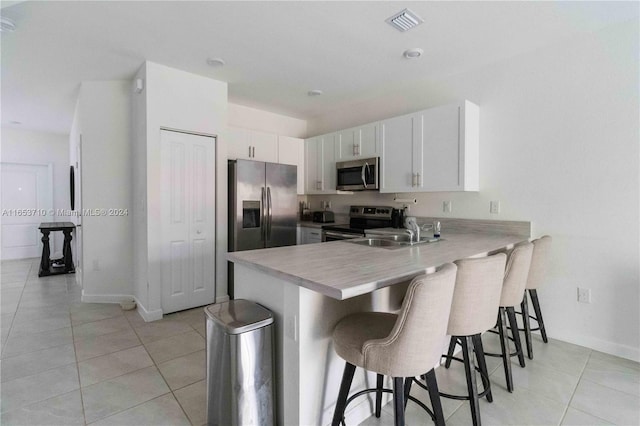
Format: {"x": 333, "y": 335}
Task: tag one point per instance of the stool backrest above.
{"x": 476, "y": 298}
{"x": 516, "y": 274}
{"x": 415, "y": 343}
{"x": 539, "y": 262}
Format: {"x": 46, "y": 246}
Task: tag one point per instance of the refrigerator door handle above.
{"x": 269, "y": 212}
{"x": 263, "y": 223}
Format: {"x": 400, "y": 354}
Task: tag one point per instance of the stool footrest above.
{"x": 465, "y": 397}
{"x": 384, "y": 390}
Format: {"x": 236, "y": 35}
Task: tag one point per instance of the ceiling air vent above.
{"x": 405, "y": 20}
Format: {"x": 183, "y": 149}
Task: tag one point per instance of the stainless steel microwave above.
{"x": 358, "y": 175}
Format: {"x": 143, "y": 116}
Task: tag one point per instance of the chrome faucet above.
{"x": 412, "y": 228}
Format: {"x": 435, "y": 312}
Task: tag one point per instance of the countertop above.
{"x": 342, "y": 270}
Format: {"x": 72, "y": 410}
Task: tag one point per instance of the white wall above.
{"x": 32, "y": 147}
{"x": 265, "y": 121}
{"x": 559, "y": 147}
{"x": 182, "y": 101}
{"x": 104, "y": 120}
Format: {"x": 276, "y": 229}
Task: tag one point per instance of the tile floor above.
{"x": 65, "y": 363}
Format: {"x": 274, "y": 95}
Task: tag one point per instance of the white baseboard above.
{"x": 105, "y": 298}
{"x": 611, "y": 348}
{"x": 147, "y": 315}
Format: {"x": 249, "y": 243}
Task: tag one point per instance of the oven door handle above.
{"x": 340, "y": 235}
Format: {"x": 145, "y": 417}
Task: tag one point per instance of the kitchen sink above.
{"x": 391, "y": 242}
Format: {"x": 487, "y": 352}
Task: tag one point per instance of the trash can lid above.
{"x": 239, "y": 316}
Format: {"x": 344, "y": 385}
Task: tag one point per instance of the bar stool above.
{"x": 515, "y": 279}
{"x": 473, "y": 311}
{"x": 537, "y": 273}
{"x": 401, "y": 346}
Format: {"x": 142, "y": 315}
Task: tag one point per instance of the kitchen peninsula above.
{"x": 310, "y": 287}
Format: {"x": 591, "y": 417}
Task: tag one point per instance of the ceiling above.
{"x": 275, "y": 52}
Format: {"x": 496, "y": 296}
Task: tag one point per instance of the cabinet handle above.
{"x": 249, "y": 151}
{"x": 418, "y": 182}
{"x": 357, "y": 149}
{"x": 413, "y": 179}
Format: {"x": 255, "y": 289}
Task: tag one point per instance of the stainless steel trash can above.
{"x": 240, "y": 382}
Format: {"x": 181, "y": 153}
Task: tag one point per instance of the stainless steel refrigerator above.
{"x": 262, "y": 205}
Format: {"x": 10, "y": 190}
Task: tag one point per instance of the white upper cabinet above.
{"x": 252, "y": 145}
{"x": 291, "y": 151}
{"x": 320, "y": 165}
{"x": 431, "y": 150}
{"x": 358, "y": 142}
{"x": 398, "y": 141}
{"x": 238, "y": 146}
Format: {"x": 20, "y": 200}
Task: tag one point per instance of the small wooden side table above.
{"x": 45, "y": 261}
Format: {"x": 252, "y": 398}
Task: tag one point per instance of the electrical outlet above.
{"x": 494, "y": 207}
{"x": 584, "y": 295}
{"x": 446, "y": 206}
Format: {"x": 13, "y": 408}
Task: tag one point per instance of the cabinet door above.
{"x": 441, "y": 155}
{"x": 264, "y": 146}
{"x": 327, "y": 167}
{"x": 238, "y": 144}
{"x": 291, "y": 151}
{"x": 367, "y": 141}
{"x": 312, "y": 161}
{"x": 346, "y": 145}
{"x": 396, "y": 137}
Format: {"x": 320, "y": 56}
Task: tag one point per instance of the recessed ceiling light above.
{"x": 414, "y": 53}
{"x": 15, "y": 122}
{"x": 215, "y": 62}
{"x": 6, "y": 25}
{"x": 315, "y": 92}
{"x": 404, "y": 20}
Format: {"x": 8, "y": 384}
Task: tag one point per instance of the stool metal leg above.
{"x": 524, "y": 306}
{"x": 470, "y": 372}
{"x": 347, "y": 378}
{"x": 504, "y": 345}
{"x": 434, "y": 396}
{"x": 407, "y": 389}
{"x": 513, "y": 323}
{"x": 482, "y": 364}
{"x": 398, "y": 400}
{"x": 379, "y": 383}
{"x": 452, "y": 347}
{"x": 536, "y": 308}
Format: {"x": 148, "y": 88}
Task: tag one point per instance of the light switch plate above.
{"x": 494, "y": 207}
{"x": 584, "y": 295}
{"x": 446, "y": 206}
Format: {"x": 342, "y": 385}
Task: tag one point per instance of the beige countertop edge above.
{"x": 348, "y": 290}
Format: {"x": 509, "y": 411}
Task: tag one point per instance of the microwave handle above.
{"x": 365, "y": 166}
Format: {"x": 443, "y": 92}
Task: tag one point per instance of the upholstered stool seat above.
{"x": 401, "y": 346}
{"x": 476, "y": 300}
{"x": 515, "y": 279}
{"x": 351, "y": 334}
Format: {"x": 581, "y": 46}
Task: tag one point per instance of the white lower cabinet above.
{"x": 431, "y": 150}
{"x": 308, "y": 235}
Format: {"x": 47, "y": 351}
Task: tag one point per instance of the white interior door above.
{"x": 26, "y": 201}
{"x": 188, "y": 220}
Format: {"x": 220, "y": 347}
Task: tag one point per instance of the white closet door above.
{"x": 188, "y": 220}
{"x": 26, "y": 201}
